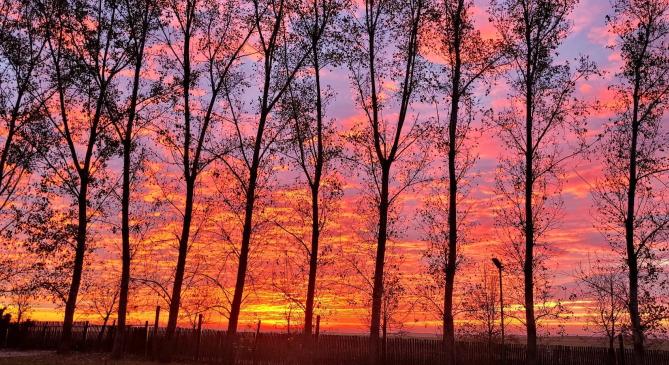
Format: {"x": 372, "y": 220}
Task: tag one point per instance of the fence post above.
{"x": 111, "y": 334}
{"x": 146, "y": 338}
{"x": 318, "y": 326}
{"x": 255, "y": 343}
{"x": 155, "y": 322}
{"x": 154, "y": 340}
{"x": 199, "y": 337}
{"x": 622, "y": 349}
{"x": 85, "y": 335}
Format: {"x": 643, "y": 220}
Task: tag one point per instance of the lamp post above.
{"x": 499, "y": 266}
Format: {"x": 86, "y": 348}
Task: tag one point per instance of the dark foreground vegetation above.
{"x": 213, "y": 346}
{"x": 78, "y": 358}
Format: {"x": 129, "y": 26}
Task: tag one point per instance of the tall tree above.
{"x": 139, "y": 18}
{"x": 468, "y": 59}
{"x": 204, "y": 42}
{"x": 631, "y": 198}
{"x": 311, "y": 136}
{"x": 274, "y": 38}
{"x": 86, "y": 53}
{"x": 543, "y": 124}
{"x": 385, "y": 50}
{"x": 22, "y": 53}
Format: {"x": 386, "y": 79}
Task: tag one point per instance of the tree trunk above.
{"x": 247, "y": 231}
{"x": 313, "y": 263}
{"x": 243, "y": 256}
{"x": 377, "y": 293}
{"x": 101, "y": 335}
{"x": 248, "y": 228}
{"x": 125, "y": 198}
{"x": 528, "y": 266}
{"x": 181, "y": 260}
{"x": 190, "y": 175}
{"x": 315, "y": 187}
{"x": 449, "y": 328}
{"x": 80, "y": 251}
{"x": 612, "y": 350}
{"x": 125, "y": 242}
{"x": 384, "y": 343}
{"x": 632, "y": 259}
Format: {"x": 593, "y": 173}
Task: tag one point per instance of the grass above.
{"x": 51, "y": 358}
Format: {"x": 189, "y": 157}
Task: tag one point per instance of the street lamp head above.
{"x": 497, "y": 263}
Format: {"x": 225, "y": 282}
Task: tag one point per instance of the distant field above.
{"x": 581, "y": 341}
{"x": 589, "y": 341}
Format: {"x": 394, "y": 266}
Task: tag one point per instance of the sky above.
{"x": 341, "y": 301}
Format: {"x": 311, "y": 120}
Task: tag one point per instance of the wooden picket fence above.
{"x": 213, "y": 346}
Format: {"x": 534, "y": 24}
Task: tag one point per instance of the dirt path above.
{"x": 12, "y": 354}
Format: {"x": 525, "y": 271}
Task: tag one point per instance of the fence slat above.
{"x": 278, "y": 349}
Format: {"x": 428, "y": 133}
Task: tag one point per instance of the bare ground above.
{"x": 51, "y": 358}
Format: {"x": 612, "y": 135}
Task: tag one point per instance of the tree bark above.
{"x": 244, "y": 252}
{"x": 632, "y": 259}
{"x": 384, "y": 340}
{"x": 313, "y": 263}
{"x": 119, "y": 338}
{"x": 377, "y": 293}
{"x": 315, "y": 188}
{"x": 80, "y": 251}
{"x": 175, "y": 299}
{"x": 448, "y": 325}
{"x": 528, "y": 265}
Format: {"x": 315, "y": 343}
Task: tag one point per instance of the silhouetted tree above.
{"x": 481, "y": 304}
{"x": 22, "y": 301}
{"x": 138, "y": 19}
{"x": 280, "y": 55}
{"x": 204, "y": 42}
{"x": 605, "y": 286}
{"x": 631, "y": 197}
{"x": 468, "y": 60}
{"x": 22, "y": 53}
{"x": 386, "y": 39}
{"x": 312, "y": 147}
{"x": 538, "y": 126}
{"x": 85, "y": 47}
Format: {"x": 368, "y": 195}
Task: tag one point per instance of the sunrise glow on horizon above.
{"x": 571, "y": 241}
